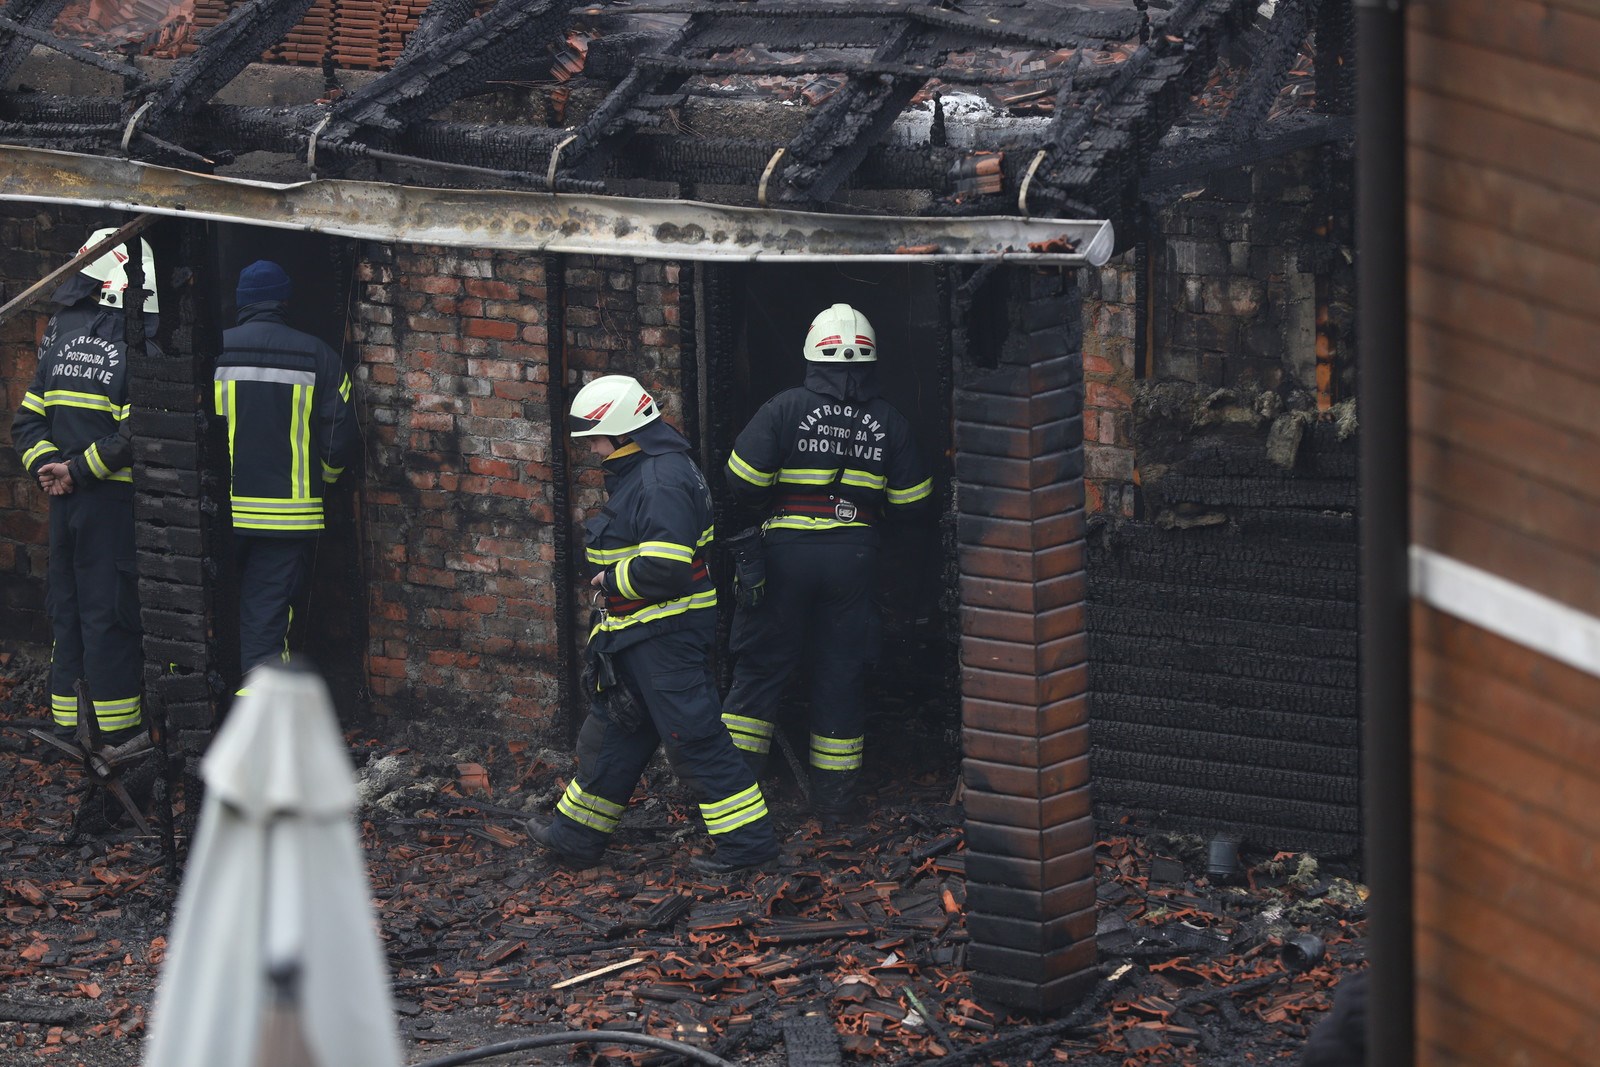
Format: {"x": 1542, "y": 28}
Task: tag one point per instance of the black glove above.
{"x": 600, "y": 677}
{"x": 749, "y": 567}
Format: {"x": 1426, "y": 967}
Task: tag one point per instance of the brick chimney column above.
{"x": 1020, "y": 525}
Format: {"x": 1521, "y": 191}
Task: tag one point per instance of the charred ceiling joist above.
{"x": 1111, "y": 77}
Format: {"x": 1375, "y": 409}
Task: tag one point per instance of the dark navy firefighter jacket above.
{"x": 76, "y": 409}
{"x": 286, "y": 397}
{"x": 829, "y": 455}
{"x": 650, "y": 540}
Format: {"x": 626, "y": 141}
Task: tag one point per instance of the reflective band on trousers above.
{"x": 837, "y": 753}
{"x": 741, "y": 809}
{"x": 110, "y": 714}
{"x": 589, "y": 810}
{"x": 749, "y": 735}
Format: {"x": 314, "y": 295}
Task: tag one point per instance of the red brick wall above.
{"x": 33, "y": 241}
{"x": 459, "y": 502}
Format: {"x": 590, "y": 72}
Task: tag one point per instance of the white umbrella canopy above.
{"x": 275, "y": 958}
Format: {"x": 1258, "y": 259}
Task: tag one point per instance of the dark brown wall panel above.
{"x": 1507, "y": 809}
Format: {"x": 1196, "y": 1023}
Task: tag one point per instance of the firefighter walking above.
{"x": 828, "y": 461}
{"x": 73, "y": 434}
{"x": 286, "y": 398}
{"x": 649, "y": 678}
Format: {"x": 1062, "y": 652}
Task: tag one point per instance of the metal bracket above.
{"x": 127, "y": 134}
{"x": 555, "y": 160}
{"x": 1027, "y": 180}
{"x": 766, "y": 175}
{"x": 311, "y": 148}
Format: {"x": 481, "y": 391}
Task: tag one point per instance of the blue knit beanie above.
{"x": 262, "y": 280}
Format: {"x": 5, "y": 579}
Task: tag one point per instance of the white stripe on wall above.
{"x": 1515, "y": 612}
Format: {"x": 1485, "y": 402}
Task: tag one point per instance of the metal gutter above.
{"x": 571, "y": 223}
{"x": 1385, "y": 533}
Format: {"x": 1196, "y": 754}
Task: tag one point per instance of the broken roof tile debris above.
{"x": 855, "y": 946}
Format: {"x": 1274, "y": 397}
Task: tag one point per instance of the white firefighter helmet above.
{"x": 108, "y": 270}
{"x": 612, "y": 405}
{"x": 841, "y": 334}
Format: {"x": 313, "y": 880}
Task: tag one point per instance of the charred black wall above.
{"x": 1223, "y": 644}
{"x": 1222, "y": 568}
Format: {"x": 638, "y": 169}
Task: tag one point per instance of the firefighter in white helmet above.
{"x": 828, "y": 461}
{"x": 74, "y": 436}
{"x": 649, "y": 679}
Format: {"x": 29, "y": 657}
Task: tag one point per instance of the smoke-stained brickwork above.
{"x": 1025, "y": 732}
{"x": 455, "y": 375}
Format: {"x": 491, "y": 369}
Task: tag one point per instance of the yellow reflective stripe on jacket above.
{"x": 863, "y": 479}
{"x": 266, "y": 513}
{"x": 741, "y": 809}
{"x": 227, "y": 405}
{"x": 624, "y": 586}
{"x": 330, "y": 474}
{"x": 651, "y": 613}
{"x": 913, "y": 494}
{"x": 344, "y": 389}
{"x": 738, "y": 465}
{"x": 666, "y": 550}
{"x": 609, "y": 557}
{"x": 66, "y": 398}
{"x": 587, "y": 809}
{"x": 836, "y": 753}
{"x": 34, "y": 403}
{"x": 807, "y": 522}
{"x": 300, "y": 441}
{"x": 807, "y": 475}
{"x": 97, "y": 466}
{"x": 40, "y": 449}
{"x": 749, "y": 735}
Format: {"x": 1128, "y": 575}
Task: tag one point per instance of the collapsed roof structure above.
{"x": 1041, "y": 109}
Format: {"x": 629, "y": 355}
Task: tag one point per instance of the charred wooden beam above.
{"x": 455, "y": 64}
{"x": 1269, "y": 68}
{"x": 918, "y": 71}
{"x": 34, "y": 14}
{"x": 72, "y": 51}
{"x": 224, "y": 52}
{"x": 836, "y": 140}
{"x": 1049, "y": 27}
{"x": 586, "y": 151}
{"x": 1098, "y": 149}
{"x": 442, "y": 18}
{"x": 1170, "y": 176}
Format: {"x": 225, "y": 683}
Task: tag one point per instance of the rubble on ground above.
{"x": 854, "y": 945}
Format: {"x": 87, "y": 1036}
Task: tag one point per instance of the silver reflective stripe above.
{"x": 267, "y": 374}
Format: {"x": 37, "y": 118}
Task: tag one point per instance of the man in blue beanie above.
{"x": 286, "y": 398}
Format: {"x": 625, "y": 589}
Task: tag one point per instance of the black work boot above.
{"x": 833, "y": 797}
{"x": 715, "y": 868}
{"x": 541, "y": 832}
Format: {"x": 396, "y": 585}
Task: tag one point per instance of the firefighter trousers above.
{"x": 93, "y": 602}
{"x": 670, "y": 675}
{"x": 818, "y": 593}
{"x": 273, "y": 572}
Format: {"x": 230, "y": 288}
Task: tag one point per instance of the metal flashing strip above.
{"x": 1515, "y": 612}
{"x": 538, "y": 221}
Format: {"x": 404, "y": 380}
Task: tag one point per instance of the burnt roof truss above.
{"x": 1080, "y": 93}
